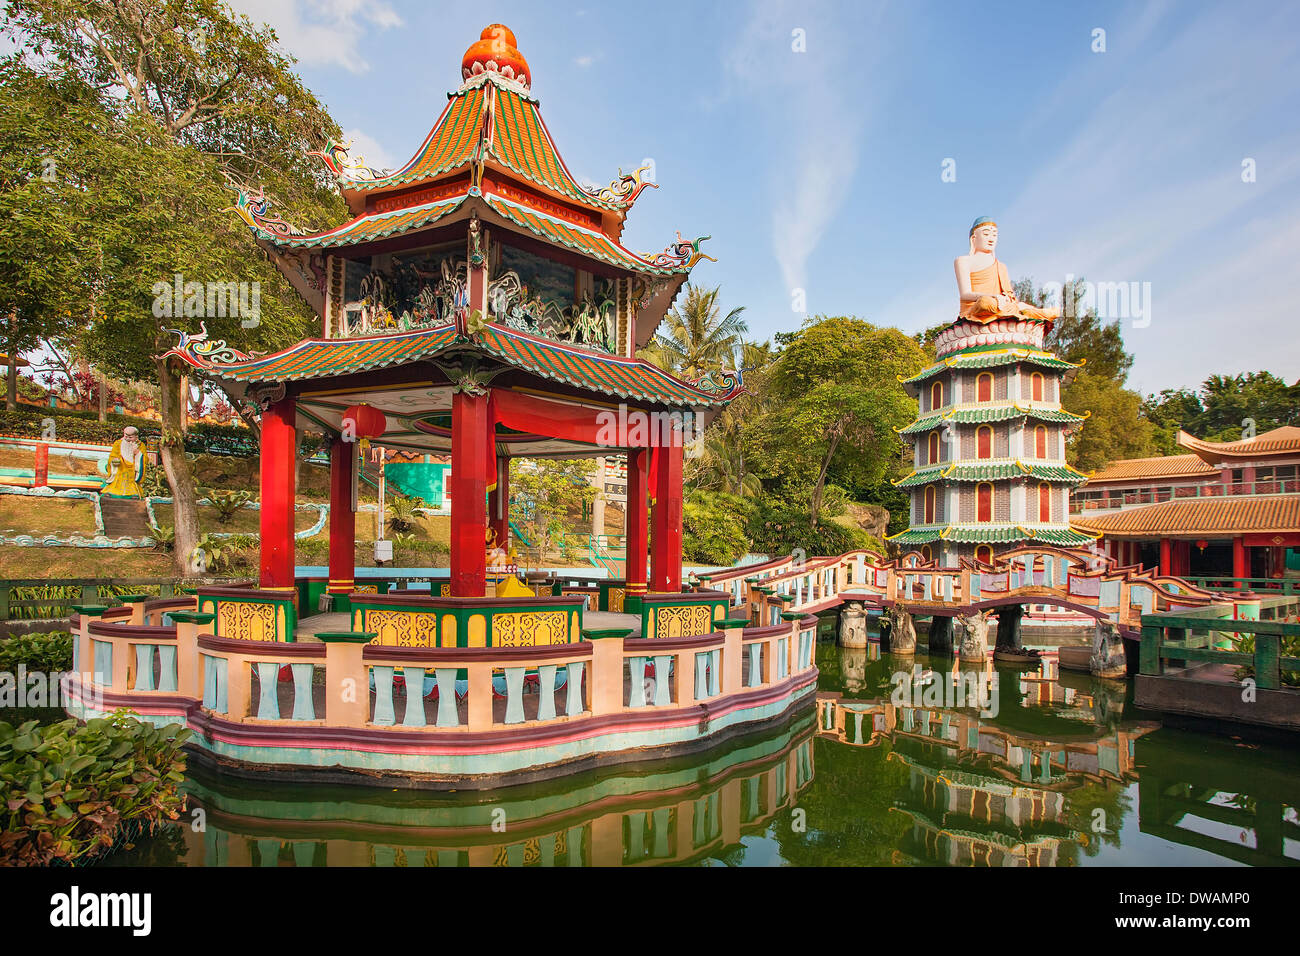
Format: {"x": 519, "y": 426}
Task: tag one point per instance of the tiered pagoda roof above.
{"x": 981, "y": 414}
{"x": 992, "y": 358}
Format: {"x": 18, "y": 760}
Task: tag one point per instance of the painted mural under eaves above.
{"x": 403, "y": 292}
{"x": 526, "y": 292}
{"x": 532, "y": 294}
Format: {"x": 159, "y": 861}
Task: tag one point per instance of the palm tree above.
{"x": 698, "y": 338}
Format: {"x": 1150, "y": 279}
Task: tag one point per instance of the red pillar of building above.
{"x": 1166, "y": 566}
{"x": 636, "y": 519}
{"x": 41, "y": 474}
{"x": 499, "y": 505}
{"x": 666, "y": 541}
{"x": 1240, "y": 558}
{"x": 343, "y": 520}
{"x": 469, "y": 480}
{"x": 277, "y": 488}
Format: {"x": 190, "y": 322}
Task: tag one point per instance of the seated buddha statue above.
{"x": 985, "y": 290}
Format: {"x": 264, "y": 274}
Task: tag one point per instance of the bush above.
{"x": 47, "y": 653}
{"x": 73, "y": 793}
{"x": 226, "y": 503}
{"x": 713, "y": 528}
{"x": 78, "y": 426}
{"x": 778, "y": 527}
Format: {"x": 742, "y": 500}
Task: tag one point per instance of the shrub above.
{"x": 713, "y": 528}
{"x": 402, "y": 513}
{"x": 73, "y": 793}
{"x": 48, "y": 653}
{"x": 226, "y": 503}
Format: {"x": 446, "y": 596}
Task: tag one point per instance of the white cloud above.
{"x": 365, "y": 146}
{"x": 584, "y": 61}
{"x": 322, "y": 32}
{"x": 822, "y": 116}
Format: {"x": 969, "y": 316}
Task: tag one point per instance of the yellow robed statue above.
{"x": 126, "y": 466}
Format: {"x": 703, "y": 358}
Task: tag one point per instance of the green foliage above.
{"x": 713, "y": 528}
{"x": 1220, "y": 410}
{"x": 222, "y": 555}
{"x": 79, "y": 426}
{"x": 832, "y": 404}
{"x": 1289, "y": 646}
{"x": 548, "y": 498}
{"x": 48, "y": 653}
{"x": 227, "y": 503}
{"x": 698, "y": 338}
{"x": 59, "y": 596}
{"x": 1114, "y": 430}
{"x": 164, "y": 536}
{"x": 73, "y": 792}
{"x": 778, "y": 526}
{"x": 402, "y": 513}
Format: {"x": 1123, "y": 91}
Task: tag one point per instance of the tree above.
{"x": 835, "y": 407}
{"x": 546, "y": 495}
{"x": 166, "y": 102}
{"x": 1114, "y": 430}
{"x": 698, "y": 337}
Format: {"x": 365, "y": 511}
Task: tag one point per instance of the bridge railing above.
{"x": 1263, "y": 648}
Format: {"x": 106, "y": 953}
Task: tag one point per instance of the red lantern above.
{"x": 367, "y": 422}
{"x": 1202, "y": 544}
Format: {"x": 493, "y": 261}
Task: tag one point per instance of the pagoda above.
{"x": 479, "y": 304}
{"x": 988, "y": 446}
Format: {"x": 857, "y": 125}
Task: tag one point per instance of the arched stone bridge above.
{"x": 1079, "y": 580}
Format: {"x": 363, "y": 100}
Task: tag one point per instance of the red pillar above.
{"x": 666, "y": 542}
{"x": 636, "y": 519}
{"x": 277, "y": 488}
{"x": 499, "y": 505}
{"x": 469, "y": 478}
{"x": 1166, "y": 566}
{"x": 343, "y": 520}
{"x": 1240, "y": 559}
{"x": 41, "y": 474}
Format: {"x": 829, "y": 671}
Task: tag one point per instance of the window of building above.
{"x": 1040, "y": 441}
{"x": 1044, "y": 502}
{"x": 984, "y": 442}
{"x": 936, "y": 396}
{"x": 925, "y": 553}
{"x": 984, "y": 387}
{"x": 984, "y": 553}
{"x": 929, "y": 504}
{"x": 983, "y": 502}
{"x": 1036, "y": 386}
{"x": 932, "y": 453}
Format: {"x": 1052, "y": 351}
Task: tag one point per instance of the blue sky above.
{"x": 822, "y": 169}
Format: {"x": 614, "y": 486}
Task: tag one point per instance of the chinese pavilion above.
{"x": 988, "y": 446}
{"x": 479, "y": 304}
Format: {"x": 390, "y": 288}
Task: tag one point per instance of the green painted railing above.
{"x": 1209, "y": 636}
{"x": 1226, "y": 583}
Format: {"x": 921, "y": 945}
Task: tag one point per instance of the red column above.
{"x": 666, "y": 542}
{"x": 41, "y": 474}
{"x": 1240, "y": 560}
{"x": 636, "y": 519}
{"x": 469, "y": 478}
{"x": 499, "y": 505}
{"x": 277, "y": 468}
{"x": 343, "y": 520}
{"x": 1166, "y": 566}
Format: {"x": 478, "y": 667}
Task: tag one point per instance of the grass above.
{"x": 39, "y": 516}
{"x": 84, "y": 563}
{"x": 245, "y": 520}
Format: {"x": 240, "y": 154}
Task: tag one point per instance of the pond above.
{"x": 1045, "y": 769}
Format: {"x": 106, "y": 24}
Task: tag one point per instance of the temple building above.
{"x": 481, "y": 305}
{"x": 1223, "y": 509}
{"x": 988, "y": 447}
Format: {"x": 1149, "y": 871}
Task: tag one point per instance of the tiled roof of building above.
{"x": 1161, "y": 466}
{"x": 994, "y": 534}
{"x": 1228, "y": 514}
{"x": 991, "y": 471}
{"x": 990, "y": 413}
{"x": 991, "y": 359}
{"x": 1277, "y": 441}
{"x": 595, "y": 371}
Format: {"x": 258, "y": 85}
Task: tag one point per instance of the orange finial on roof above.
{"x": 495, "y": 52}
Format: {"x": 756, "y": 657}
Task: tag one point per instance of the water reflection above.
{"x": 1062, "y": 771}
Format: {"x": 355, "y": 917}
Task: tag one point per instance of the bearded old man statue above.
{"x": 126, "y": 466}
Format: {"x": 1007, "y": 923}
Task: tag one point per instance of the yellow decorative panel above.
{"x": 616, "y": 600}
{"x": 686, "y": 621}
{"x": 476, "y": 631}
{"x": 530, "y": 628}
{"x": 247, "y": 621}
{"x": 401, "y": 628}
{"x": 366, "y": 589}
{"x": 449, "y": 630}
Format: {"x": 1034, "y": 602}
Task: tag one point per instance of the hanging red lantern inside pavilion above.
{"x": 367, "y": 421}
{"x": 1202, "y": 544}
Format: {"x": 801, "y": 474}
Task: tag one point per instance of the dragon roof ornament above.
{"x": 623, "y": 190}
{"x": 254, "y": 208}
{"x": 344, "y": 167}
{"x": 682, "y": 253}
{"x": 198, "y": 350}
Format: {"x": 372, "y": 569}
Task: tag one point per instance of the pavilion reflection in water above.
{"x": 687, "y": 811}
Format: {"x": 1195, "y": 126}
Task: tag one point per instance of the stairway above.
{"x": 124, "y": 517}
